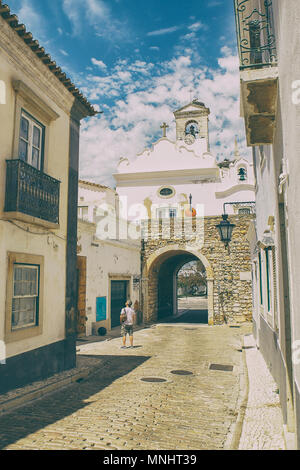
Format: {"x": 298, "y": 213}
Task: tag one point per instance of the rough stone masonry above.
{"x": 228, "y": 270}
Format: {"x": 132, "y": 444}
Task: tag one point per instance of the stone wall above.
{"x": 230, "y": 269}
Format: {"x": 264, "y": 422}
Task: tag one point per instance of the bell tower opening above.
{"x": 192, "y": 123}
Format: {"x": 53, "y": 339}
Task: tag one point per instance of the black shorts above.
{"x": 126, "y": 329}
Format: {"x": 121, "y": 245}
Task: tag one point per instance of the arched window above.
{"x": 192, "y": 128}
{"x": 242, "y": 174}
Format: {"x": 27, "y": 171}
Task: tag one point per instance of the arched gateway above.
{"x": 159, "y": 280}
{"x": 228, "y": 277}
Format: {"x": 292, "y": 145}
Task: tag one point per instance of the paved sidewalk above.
{"x": 263, "y": 423}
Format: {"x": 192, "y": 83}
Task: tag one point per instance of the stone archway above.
{"x": 168, "y": 258}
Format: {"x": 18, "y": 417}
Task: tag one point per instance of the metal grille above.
{"x": 223, "y": 367}
{"x": 31, "y": 191}
{"x": 255, "y": 33}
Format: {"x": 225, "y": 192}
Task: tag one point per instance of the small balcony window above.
{"x": 31, "y": 141}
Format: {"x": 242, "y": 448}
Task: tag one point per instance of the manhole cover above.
{"x": 223, "y": 367}
{"x": 181, "y": 372}
{"x": 153, "y": 379}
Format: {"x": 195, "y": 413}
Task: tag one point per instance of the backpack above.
{"x": 123, "y": 316}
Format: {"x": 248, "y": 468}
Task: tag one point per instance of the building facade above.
{"x": 108, "y": 265}
{"x": 269, "y": 48}
{"x": 40, "y": 113}
{"x": 178, "y": 193}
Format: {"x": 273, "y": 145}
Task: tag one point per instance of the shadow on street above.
{"x": 41, "y": 413}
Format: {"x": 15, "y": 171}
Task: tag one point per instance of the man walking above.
{"x": 127, "y": 319}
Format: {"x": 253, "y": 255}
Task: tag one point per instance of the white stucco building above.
{"x": 109, "y": 268}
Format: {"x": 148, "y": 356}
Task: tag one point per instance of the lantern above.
{"x": 225, "y": 229}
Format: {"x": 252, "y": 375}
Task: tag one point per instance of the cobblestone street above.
{"x": 116, "y": 409}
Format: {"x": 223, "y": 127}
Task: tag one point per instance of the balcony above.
{"x": 258, "y": 69}
{"x": 31, "y": 195}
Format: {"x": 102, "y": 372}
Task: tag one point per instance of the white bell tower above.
{"x": 192, "y": 123}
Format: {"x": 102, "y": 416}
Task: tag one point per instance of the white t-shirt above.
{"x": 130, "y": 315}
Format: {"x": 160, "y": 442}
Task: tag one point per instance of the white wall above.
{"x": 106, "y": 258}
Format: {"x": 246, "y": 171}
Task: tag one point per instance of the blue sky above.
{"x": 138, "y": 61}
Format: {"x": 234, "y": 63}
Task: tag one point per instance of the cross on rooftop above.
{"x": 164, "y": 127}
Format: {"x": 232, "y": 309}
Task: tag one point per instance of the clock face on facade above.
{"x": 189, "y": 139}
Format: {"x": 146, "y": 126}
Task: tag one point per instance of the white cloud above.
{"x": 214, "y": 3}
{"x": 32, "y": 20}
{"x": 197, "y": 26}
{"x": 97, "y": 15}
{"x": 63, "y": 52}
{"x": 150, "y": 94}
{"x": 98, "y": 63}
{"x": 160, "y": 32}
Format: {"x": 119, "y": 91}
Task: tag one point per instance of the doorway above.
{"x": 118, "y": 297}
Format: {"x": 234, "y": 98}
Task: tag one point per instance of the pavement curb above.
{"x": 234, "y": 437}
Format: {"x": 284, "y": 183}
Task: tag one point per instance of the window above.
{"x": 245, "y": 210}
{"x": 255, "y": 42}
{"x": 166, "y": 213}
{"x": 83, "y": 212}
{"x": 166, "y": 192}
{"x": 24, "y": 296}
{"x": 31, "y": 141}
{"x": 25, "y": 300}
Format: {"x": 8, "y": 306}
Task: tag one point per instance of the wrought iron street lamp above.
{"x": 225, "y": 230}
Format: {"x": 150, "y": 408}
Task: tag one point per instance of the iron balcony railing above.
{"x": 255, "y": 33}
{"x": 31, "y": 192}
